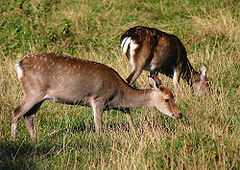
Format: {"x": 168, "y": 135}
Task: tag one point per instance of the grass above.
{"x": 207, "y": 137}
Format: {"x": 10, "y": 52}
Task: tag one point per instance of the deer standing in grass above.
{"x": 70, "y": 80}
{"x": 156, "y": 51}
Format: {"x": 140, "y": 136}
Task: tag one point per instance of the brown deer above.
{"x": 156, "y": 51}
{"x": 74, "y": 81}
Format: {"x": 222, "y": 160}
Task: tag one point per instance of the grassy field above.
{"x": 207, "y": 137}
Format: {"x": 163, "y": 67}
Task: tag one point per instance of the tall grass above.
{"x": 207, "y": 137}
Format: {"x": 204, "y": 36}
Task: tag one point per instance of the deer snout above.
{"x": 177, "y": 115}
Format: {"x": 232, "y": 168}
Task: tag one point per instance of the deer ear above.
{"x": 203, "y": 71}
{"x": 154, "y": 82}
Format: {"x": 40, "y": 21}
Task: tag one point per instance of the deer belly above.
{"x": 68, "y": 101}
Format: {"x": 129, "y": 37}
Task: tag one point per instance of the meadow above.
{"x": 208, "y": 136}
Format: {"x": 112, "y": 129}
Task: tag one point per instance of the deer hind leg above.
{"x": 27, "y": 109}
{"x": 136, "y": 69}
{"x": 135, "y": 73}
{"x": 176, "y": 76}
{"x": 29, "y": 117}
{"x": 137, "y": 62}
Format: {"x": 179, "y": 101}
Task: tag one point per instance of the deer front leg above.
{"x": 129, "y": 118}
{"x": 98, "y": 113}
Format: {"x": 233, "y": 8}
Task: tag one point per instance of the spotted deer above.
{"x": 69, "y": 80}
{"x": 156, "y": 51}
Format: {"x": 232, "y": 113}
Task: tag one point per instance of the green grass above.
{"x": 207, "y": 137}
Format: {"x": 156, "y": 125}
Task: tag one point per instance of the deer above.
{"x": 157, "y": 51}
{"x": 71, "y": 80}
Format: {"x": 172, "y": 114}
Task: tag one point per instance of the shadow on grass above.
{"x": 16, "y": 155}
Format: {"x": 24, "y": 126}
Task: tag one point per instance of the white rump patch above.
{"x": 124, "y": 45}
{"x": 133, "y": 47}
{"x": 126, "y": 42}
{"x": 19, "y": 70}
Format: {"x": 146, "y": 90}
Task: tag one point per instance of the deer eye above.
{"x": 167, "y": 100}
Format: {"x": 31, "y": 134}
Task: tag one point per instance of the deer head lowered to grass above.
{"x": 70, "y": 80}
{"x": 156, "y": 51}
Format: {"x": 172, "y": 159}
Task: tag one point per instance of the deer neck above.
{"x": 189, "y": 74}
{"x": 134, "y": 98}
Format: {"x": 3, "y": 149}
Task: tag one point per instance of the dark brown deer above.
{"x": 156, "y": 51}
{"x": 70, "y": 80}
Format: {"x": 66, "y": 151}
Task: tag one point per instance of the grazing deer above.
{"x": 70, "y": 80}
{"x": 156, "y": 51}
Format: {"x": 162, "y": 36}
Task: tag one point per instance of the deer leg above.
{"x": 25, "y": 108}
{"x": 29, "y": 123}
{"x": 29, "y": 117}
{"x": 176, "y": 77}
{"x": 98, "y": 113}
{"x": 129, "y": 118}
{"x": 137, "y": 61}
{"x": 153, "y": 73}
{"x": 135, "y": 73}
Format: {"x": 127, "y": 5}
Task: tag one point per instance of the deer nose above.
{"x": 180, "y": 116}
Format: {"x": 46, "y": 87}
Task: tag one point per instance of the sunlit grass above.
{"x": 207, "y": 137}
